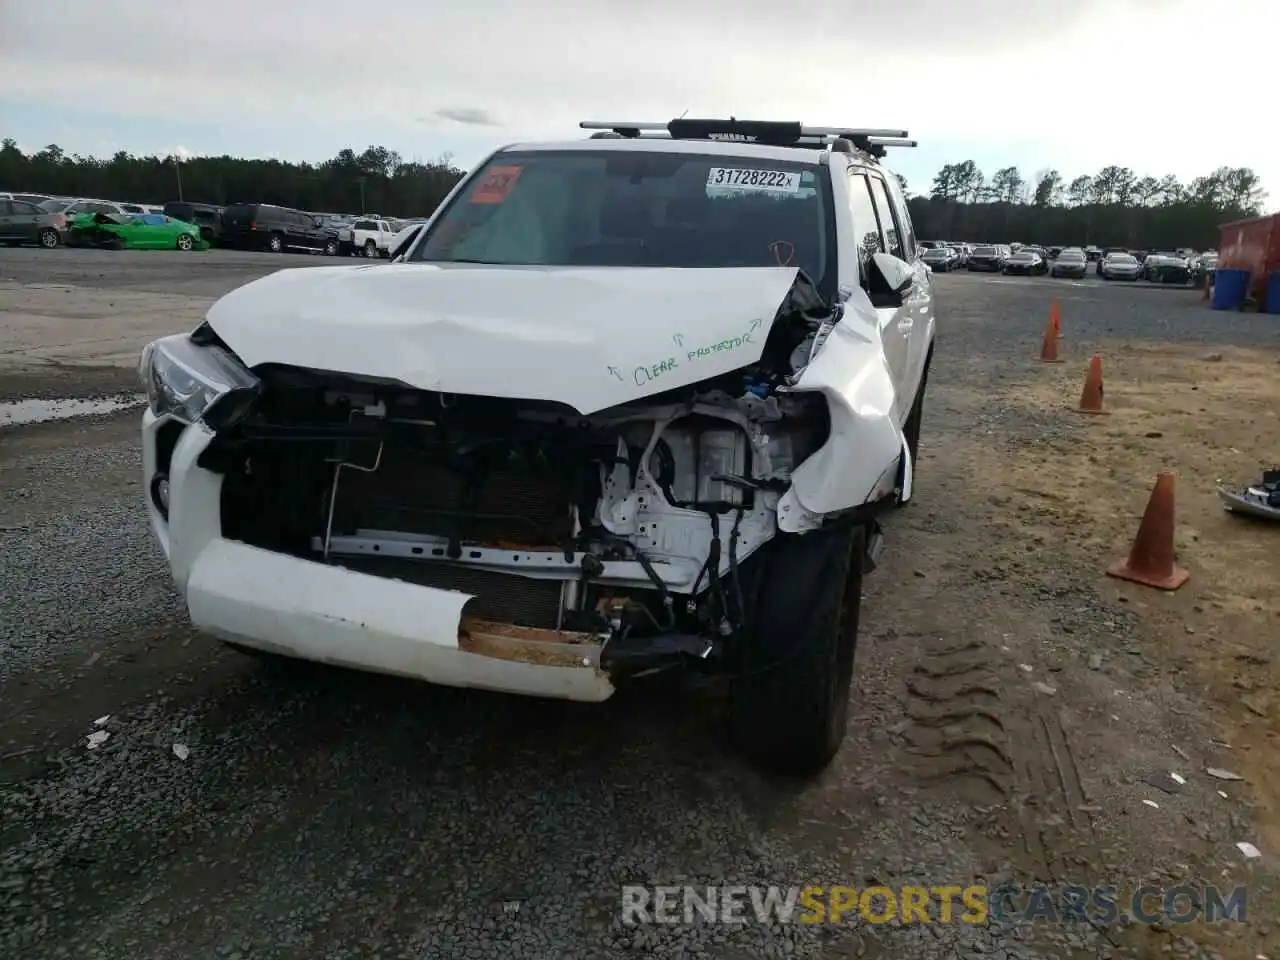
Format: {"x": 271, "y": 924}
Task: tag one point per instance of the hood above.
{"x": 590, "y": 337}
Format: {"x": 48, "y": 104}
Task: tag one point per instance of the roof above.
{"x": 789, "y": 141}
{"x": 714, "y": 148}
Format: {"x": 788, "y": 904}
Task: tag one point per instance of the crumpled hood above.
{"x": 589, "y": 337}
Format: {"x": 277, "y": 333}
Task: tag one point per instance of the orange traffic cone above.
{"x": 1049, "y": 348}
{"x": 1055, "y": 317}
{"x": 1091, "y": 396}
{"x": 1150, "y": 560}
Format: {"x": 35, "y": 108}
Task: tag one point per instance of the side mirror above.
{"x": 404, "y": 244}
{"x": 897, "y": 274}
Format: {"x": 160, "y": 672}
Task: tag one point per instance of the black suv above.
{"x": 206, "y": 216}
{"x": 262, "y": 226}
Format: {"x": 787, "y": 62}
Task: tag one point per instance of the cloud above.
{"x": 473, "y": 116}
{"x": 178, "y": 153}
{"x": 1035, "y": 69}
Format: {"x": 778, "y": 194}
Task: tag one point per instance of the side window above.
{"x": 904, "y": 219}
{"x": 25, "y": 209}
{"x": 866, "y": 228}
{"x": 888, "y": 220}
{"x": 7, "y": 207}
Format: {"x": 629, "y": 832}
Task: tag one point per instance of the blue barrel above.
{"x": 1272, "y": 303}
{"x": 1230, "y": 287}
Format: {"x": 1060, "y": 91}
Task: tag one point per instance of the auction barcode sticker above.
{"x": 765, "y": 181}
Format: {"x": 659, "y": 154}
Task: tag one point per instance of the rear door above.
{"x": 24, "y": 220}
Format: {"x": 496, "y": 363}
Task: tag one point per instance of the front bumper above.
{"x": 316, "y": 611}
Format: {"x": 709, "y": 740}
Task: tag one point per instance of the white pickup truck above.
{"x": 367, "y": 237}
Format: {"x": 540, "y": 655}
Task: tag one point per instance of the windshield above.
{"x": 1071, "y": 255}
{"x": 1122, "y": 258}
{"x": 637, "y": 209}
{"x": 984, "y": 251}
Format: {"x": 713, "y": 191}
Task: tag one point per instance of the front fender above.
{"x": 860, "y": 458}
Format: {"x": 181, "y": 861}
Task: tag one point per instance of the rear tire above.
{"x": 276, "y": 243}
{"x": 370, "y": 250}
{"x": 790, "y": 704}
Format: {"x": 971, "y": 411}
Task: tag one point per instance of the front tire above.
{"x": 185, "y": 242}
{"x": 48, "y": 238}
{"x": 790, "y": 702}
{"x": 331, "y": 248}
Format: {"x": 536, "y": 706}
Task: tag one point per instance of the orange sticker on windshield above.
{"x": 496, "y": 184}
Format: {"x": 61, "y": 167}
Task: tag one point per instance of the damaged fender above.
{"x": 860, "y": 460}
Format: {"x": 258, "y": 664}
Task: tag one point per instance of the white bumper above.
{"x": 315, "y": 611}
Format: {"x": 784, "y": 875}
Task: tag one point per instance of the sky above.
{"x": 1069, "y": 84}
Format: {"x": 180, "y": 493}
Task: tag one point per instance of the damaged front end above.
{"x": 621, "y": 541}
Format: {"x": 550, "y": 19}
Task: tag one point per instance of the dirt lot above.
{"x": 1010, "y": 698}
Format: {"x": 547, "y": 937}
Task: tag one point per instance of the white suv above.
{"x": 626, "y": 404}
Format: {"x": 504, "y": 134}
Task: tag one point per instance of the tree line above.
{"x": 1113, "y": 207}
{"x": 377, "y": 180}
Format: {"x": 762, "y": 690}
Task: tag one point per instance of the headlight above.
{"x": 190, "y": 382}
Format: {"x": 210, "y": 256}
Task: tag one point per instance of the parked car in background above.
{"x": 142, "y": 231}
{"x": 1093, "y": 254}
{"x": 1071, "y": 263}
{"x": 941, "y": 259}
{"x": 72, "y": 208}
{"x": 986, "y": 257}
{"x": 24, "y": 222}
{"x": 1025, "y": 262}
{"x": 962, "y": 253}
{"x": 372, "y": 238}
{"x": 1166, "y": 267}
{"x": 264, "y": 226}
{"x": 1119, "y": 266}
{"x": 206, "y": 216}
{"x": 36, "y": 198}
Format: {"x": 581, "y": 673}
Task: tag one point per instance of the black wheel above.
{"x": 185, "y": 242}
{"x": 331, "y": 248}
{"x": 370, "y": 249}
{"x": 276, "y": 243}
{"x": 49, "y": 238}
{"x": 790, "y": 702}
{"x": 114, "y": 243}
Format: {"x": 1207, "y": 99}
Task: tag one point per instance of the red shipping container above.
{"x": 1252, "y": 245}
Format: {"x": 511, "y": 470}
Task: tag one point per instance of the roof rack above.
{"x": 767, "y": 132}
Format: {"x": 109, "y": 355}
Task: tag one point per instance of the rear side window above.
{"x": 864, "y": 220}
{"x": 889, "y": 230}
{"x": 240, "y": 214}
{"x": 365, "y": 225}
{"x": 907, "y": 230}
{"x": 24, "y": 209}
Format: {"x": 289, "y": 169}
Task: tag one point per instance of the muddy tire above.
{"x": 790, "y": 701}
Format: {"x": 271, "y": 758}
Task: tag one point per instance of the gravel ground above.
{"x": 322, "y": 813}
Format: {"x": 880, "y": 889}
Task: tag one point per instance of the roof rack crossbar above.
{"x": 774, "y": 133}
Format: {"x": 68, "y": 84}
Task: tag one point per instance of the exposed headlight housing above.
{"x": 190, "y": 382}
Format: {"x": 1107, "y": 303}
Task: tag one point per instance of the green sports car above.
{"x": 144, "y": 231}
